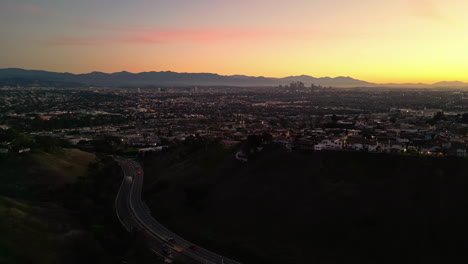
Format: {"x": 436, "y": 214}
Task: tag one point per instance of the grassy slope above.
{"x": 64, "y": 166}
{"x": 31, "y": 233}
{"x": 60, "y": 210}
{"x": 315, "y": 208}
{"x": 34, "y": 232}
{"x": 33, "y": 175}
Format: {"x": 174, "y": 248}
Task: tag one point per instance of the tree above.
{"x": 334, "y": 118}
{"x": 439, "y": 116}
{"x": 465, "y": 118}
{"x": 8, "y": 135}
{"x": 267, "y": 138}
{"x": 22, "y": 141}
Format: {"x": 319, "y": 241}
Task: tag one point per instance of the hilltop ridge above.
{"x": 22, "y": 77}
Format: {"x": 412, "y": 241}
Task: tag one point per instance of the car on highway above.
{"x": 166, "y": 250}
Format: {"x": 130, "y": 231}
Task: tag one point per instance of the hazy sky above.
{"x": 374, "y": 40}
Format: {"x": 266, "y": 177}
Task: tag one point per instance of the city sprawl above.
{"x": 299, "y": 118}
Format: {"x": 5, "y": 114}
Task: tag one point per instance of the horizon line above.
{"x": 232, "y": 75}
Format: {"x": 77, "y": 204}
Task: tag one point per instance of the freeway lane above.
{"x": 132, "y": 212}
{"x": 127, "y": 218}
{"x": 122, "y": 206}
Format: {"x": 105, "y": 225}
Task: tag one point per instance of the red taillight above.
{"x": 139, "y": 172}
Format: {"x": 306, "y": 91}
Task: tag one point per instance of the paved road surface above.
{"x": 134, "y": 214}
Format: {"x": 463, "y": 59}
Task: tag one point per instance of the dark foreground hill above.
{"x": 58, "y": 207}
{"x": 314, "y": 208}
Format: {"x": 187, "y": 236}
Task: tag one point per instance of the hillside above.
{"x": 58, "y": 207}
{"x": 34, "y": 174}
{"x": 313, "y": 207}
{"x": 37, "y": 226}
{"x": 66, "y": 166}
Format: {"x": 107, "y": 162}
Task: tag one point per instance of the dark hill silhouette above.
{"x": 168, "y": 78}
{"x": 13, "y": 77}
{"x": 299, "y": 208}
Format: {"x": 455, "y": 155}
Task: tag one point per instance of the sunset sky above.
{"x": 374, "y": 40}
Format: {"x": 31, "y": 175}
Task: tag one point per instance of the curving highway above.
{"x": 135, "y": 215}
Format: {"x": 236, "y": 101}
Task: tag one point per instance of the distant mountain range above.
{"x": 21, "y": 77}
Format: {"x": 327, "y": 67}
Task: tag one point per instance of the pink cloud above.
{"x": 79, "y": 41}
{"x": 99, "y": 27}
{"x": 164, "y": 36}
{"x": 141, "y": 34}
{"x": 198, "y": 36}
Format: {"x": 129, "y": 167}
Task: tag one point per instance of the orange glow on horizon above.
{"x": 402, "y": 41}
